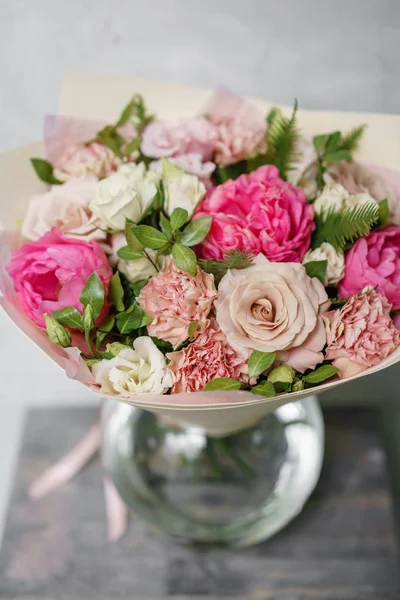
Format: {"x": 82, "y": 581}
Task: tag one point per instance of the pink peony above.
{"x": 240, "y": 125}
{"x": 83, "y": 160}
{"x": 270, "y": 209}
{"x": 208, "y": 357}
{"x": 228, "y": 232}
{"x": 49, "y": 274}
{"x": 374, "y": 260}
{"x": 361, "y": 334}
{"x": 175, "y": 299}
{"x": 163, "y": 138}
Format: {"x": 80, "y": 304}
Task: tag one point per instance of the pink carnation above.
{"x": 163, "y": 138}
{"x": 49, "y": 274}
{"x": 208, "y": 357}
{"x": 273, "y": 215}
{"x": 83, "y": 160}
{"x": 361, "y": 334}
{"x": 175, "y": 299}
{"x": 374, "y": 261}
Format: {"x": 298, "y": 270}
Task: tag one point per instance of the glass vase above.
{"x": 235, "y": 490}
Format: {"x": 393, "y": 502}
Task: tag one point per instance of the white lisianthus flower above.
{"x": 335, "y": 197}
{"x": 134, "y": 270}
{"x": 184, "y": 191}
{"x": 134, "y": 371}
{"x": 335, "y": 268}
{"x": 137, "y": 174}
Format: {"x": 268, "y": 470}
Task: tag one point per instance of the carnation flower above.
{"x": 66, "y": 207}
{"x": 208, "y": 357}
{"x": 374, "y": 260}
{"x": 138, "y": 370}
{"x": 335, "y": 262}
{"x": 274, "y": 307}
{"x": 174, "y": 299}
{"x": 271, "y": 209}
{"x": 82, "y": 160}
{"x": 361, "y": 334}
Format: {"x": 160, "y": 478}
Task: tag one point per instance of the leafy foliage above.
{"x": 340, "y": 228}
{"x": 44, "y": 170}
{"x": 135, "y": 112}
{"x": 351, "y": 140}
{"x": 316, "y": 268}
{"x": 234, "y": 259}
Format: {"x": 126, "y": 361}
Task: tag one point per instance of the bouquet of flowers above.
{"x": 223, "y": 259}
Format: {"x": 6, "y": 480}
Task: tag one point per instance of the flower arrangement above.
{"x": 219, "y": 252}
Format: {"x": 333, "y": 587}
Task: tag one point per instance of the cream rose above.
{"x": 66, "y": 207}
{"x": 335, "y": 197}
{"x": 183, "y": 191}
{"x": 138, "y": 370}
{"x": 118, "y": 199}
{"x": 134, "y": 270}
{"x": 274, "y": 307}
{"x": 139, "y": 177}
{"x": 335, "y": 267}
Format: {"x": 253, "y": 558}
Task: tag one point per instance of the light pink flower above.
{"x": 241, "y": 127}
{"x": 175, "y": 299}
{"x": 66, "y": 207}
{"x": 274, "y": 307}
{"x": 163, "y": 138}
{"x": 49, "y": 274}
{"x": 361, "y": 334}
{"x": 208, "y": 357}
{"x": 374, "y": 261}
{"x": 82, "y": 160}
{"x": 190, "y": 163}
{"x": 271, "y": 209}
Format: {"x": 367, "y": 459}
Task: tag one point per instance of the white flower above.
{"x": 335, "y": 268}
{"x": 183, "y": 191}
{"x": 137, "y": 174}
{"x": 118, "y": 199}
{"x": 335, "y": 197}
{"x": 138, "y": 370}
{"x": 190, "y": 163}
{"x": 66, "y": 207}
{"x": 134, "y": 270}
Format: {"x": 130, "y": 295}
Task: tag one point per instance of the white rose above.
{"x": 138, "y": 370}
{"x": 137, "y": 174}
{"x": 335, "y": 268}
{"x": 335, "y": 197}
{"x": 183, "y": 191}
{"x": 66, "y": 207}
{"x": 117, "y": 199}
{"x": 134, "y": 270}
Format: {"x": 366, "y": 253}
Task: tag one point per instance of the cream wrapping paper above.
{"x": 101, "y": 97}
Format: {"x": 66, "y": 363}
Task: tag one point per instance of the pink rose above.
{"x": 66, "y": 207}
{"x": 271, "y": 209}
{"x": 207, "y": 358}
{"x": 274, "y": 307}
{"x": 361, "y": 334}
{"x": 163, "y": 138}
{"x": 83, "y": 160}
{"x": 374, "y": 261}
{"x": 49, "y": 274}
{"x": 240, "y": 125}
{"x": 175, "y": 299}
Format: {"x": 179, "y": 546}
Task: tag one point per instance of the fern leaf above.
{"x": 351, "y": 140}
{"x": 340, "y": 228}
{"x": 235, "y": 259}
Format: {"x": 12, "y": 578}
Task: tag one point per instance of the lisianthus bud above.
{"x": 115, "y": 348}
{"x": 281, "y": 374}
{"x": 88, "y": 322}
{"x": 57, "y": 333}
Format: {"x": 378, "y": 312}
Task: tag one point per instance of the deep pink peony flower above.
{"x": 374, "y": 260}
{"x": 229, "y": 232}
{"x": 361, "y": 334}
{"x": 267, "y": 208}
{"x": 208, "y": 357}
{"x": 175, "y": 299}
{"x": 49, "y": 274}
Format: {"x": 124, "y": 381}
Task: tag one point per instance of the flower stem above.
{"x": 89, "y": 343}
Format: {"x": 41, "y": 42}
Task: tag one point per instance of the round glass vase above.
{"x": 236, "y": 490}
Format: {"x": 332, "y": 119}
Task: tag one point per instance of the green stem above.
{"x": 89, "y": 343}
{"x": 226, "y": 446}
{"x": 152, "y": 262}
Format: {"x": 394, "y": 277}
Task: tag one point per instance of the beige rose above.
{"x": 274, "y": 307}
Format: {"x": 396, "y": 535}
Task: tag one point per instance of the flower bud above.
{"x": 88, "y": 321}
{"x": 57, "y": 333}
{"x": 281, "y": 374}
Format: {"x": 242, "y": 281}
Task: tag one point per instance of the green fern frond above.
{"x": 234, "y": 259}
{"x": 341, "y": 228}
{"x": 351, "y": 140}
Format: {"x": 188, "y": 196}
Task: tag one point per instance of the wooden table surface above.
{"x": 342, "y": 546}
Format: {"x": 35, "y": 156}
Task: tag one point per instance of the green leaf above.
{"x": 229, "y": 172}
{"x": 149, "y": 236}
{"x": 44, "y": 170}
{"x": 169, "y": 170}
{"x": 332, "y": 142}
{"x": 347, "y": 225}
{"x": 116, "y": 293}
{"x": 126, "y": 114}
{"x": 383, "y": 212}
{"x": 316, "y": 268}
{"x": 265, "y": 388}
{"x": 108, "y": 323}
{"x": 282, "y": 386}
{"x": 135, "y": 112}
{"x": 321, "y": 374}
{"x": 132, "y": 319}
{"x": 260, "y": 362}
{"x": 166, "y": 226}
{"x": 179, "y": 217}
{"x": 93, "y": 294}
{"x": 320, "y": 140}
{"x": 234, "y": 259}
{"x": 131, "y": 239}
{"x": 110, "y": 138}
{"x": 298, "y": 385}
{"x": 68, "y": 316}
{"x": 222, "y": 383}
{"x": 184, "y": 258}
{"x": 274, "y": 113}
{"x": 196, "y": 231}
{"x": 56, "y": 332}
{"x": 126, "y": 253}
{"x": 132, "y": 146}
{"x": 351, "y": 140}
{"x": 336, "y": 156}
{"x": 192, "y": 330}
{"x": 138, "y": 286}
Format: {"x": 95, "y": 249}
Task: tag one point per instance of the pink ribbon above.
{"x": 65, "y": 469}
